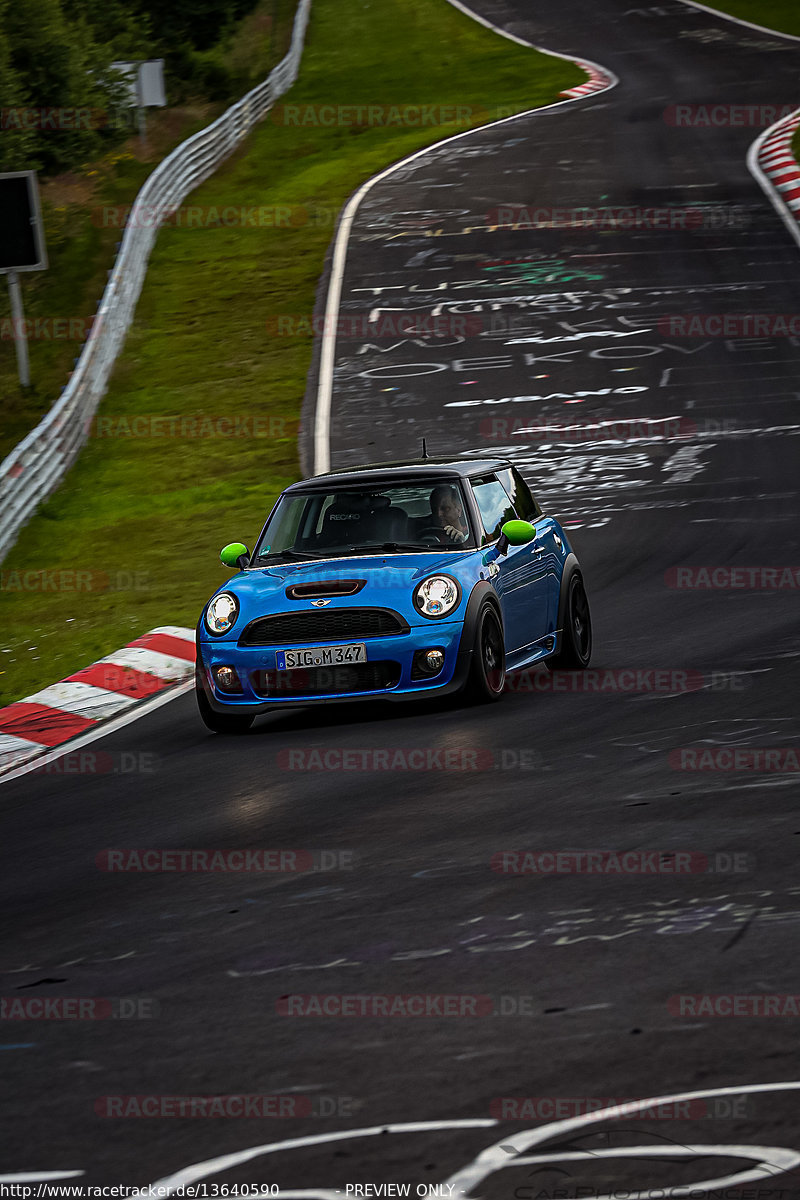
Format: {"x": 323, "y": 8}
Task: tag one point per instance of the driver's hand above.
{"x": 454, "y": 534}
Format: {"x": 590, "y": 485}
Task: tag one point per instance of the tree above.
{"x": 68, "y": 105}
{"x": 17, "y": 144}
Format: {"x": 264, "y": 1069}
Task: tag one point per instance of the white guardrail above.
{"x": 41, "y": 460}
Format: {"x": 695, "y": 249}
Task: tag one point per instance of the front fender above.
{"x": 482, "y": 593}
{"x": 571, "y": 565}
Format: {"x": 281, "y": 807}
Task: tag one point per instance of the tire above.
{"x": 575, "y": 650}
{"x": 229, "y": 723}
{"x": 487, "y": 673}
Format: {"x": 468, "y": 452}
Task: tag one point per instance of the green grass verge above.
{"x": 151, "y": 514}
{"x": 780, "y": 15}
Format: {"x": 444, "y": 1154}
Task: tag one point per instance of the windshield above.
{"x": 391, "y": 520}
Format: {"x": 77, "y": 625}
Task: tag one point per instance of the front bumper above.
{"x": 256, "y": 669}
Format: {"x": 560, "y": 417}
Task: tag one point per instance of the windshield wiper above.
{"x": 342, "y": 551}
{"x": 293, "y": 555}
{"x": 396, "y": 546}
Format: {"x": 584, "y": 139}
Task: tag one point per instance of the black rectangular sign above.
{"x": 21, "y": 233}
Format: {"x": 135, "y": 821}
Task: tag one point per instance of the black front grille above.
{"x": 322, "y": 625}
{"x": 326, "y": 681}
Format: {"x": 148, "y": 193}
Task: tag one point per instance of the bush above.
{"x": 55, "y": 54}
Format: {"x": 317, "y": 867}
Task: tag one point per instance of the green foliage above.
{"x": 200, "y": 23}
{"x": 16, "y": 144}
{"x": 191, "y": 72}
{"x": 59, "y": 108}
{"x": 55, "y": 55}
{"x": 122, "y": 31}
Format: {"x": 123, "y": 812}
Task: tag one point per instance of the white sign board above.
{"x": 145, "y": 82}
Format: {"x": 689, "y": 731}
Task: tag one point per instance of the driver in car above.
{"x": 447, "y": 512}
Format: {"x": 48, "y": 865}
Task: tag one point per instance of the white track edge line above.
{"x": 91, "y": 735}
{"x": 715, "y": 12}
{"x": 325, "y": 382}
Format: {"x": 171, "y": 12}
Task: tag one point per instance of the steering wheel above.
{"x": 432, "y": 535}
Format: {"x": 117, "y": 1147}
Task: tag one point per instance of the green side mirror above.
{"x": 232, "y": 554}
{"x": 518, "y": 533}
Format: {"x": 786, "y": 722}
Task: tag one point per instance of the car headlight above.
{"x": 221, "y": 612}
{"x": 437, "y": 596}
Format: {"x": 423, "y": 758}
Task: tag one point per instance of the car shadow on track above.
{"x": 354, "y": 715}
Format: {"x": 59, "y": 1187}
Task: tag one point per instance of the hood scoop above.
{"x": 324, "y": 588}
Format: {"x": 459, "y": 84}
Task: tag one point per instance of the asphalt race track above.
{"x": 580, "y": 967}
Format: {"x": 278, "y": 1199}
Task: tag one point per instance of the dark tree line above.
{"x": 59, "y": 103}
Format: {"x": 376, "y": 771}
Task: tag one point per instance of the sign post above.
{"x": 18, "y": 324}
{"x": 22, "y": 248}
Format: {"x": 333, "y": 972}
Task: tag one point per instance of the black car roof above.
{"x": 400, "y": 472}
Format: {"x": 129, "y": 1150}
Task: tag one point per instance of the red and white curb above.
{"x": 90, "y": 700}
{"x": 598, "y": 81}
{"x": 774, "y": 165}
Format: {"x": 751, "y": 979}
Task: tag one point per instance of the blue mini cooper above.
{"x": 394, "y": 581}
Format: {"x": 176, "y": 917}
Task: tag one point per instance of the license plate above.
{"x": 321, "y": 656}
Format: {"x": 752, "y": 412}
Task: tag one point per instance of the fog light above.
{"x": 434, "y": 661}
{"x": 427, "y": 663}
{"x": 226, "y": 679}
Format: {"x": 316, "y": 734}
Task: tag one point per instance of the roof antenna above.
{"x": 424, "y": 449}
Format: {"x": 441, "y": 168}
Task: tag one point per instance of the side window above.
{"x": 493, "y": 504}
{"x": 520, "y": 494}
